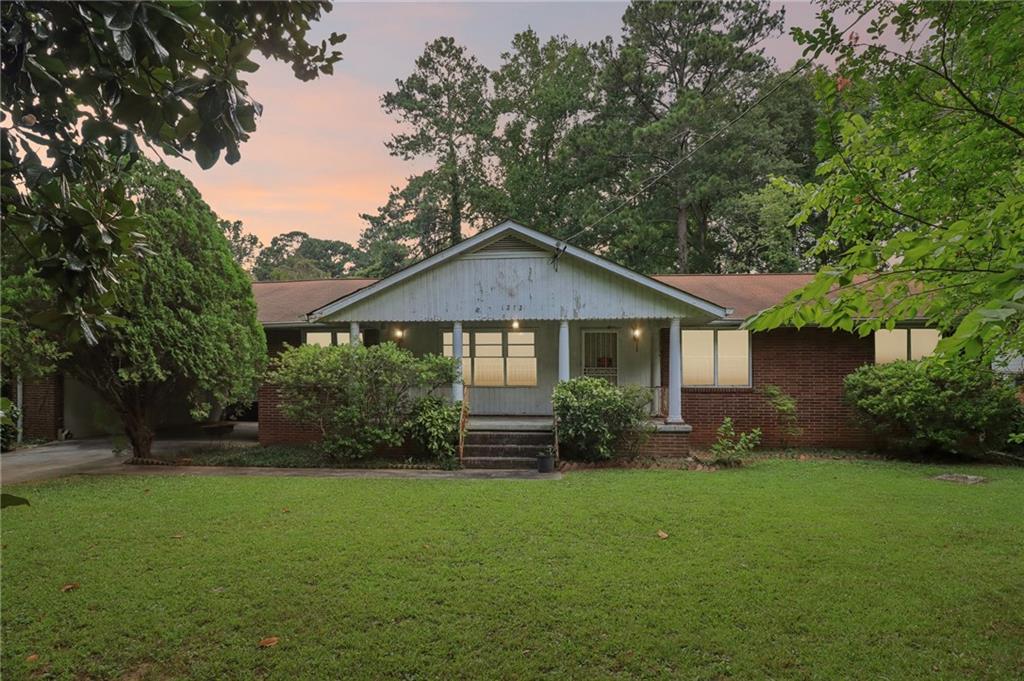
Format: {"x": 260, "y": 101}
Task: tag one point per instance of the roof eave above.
{"x": 481, "y": 238}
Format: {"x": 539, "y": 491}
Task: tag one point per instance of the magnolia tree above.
{"x": 87, "y": 83}
{"x": 186, "y": 323}
{"x": 923, "y": 175}
{"x": 357, "y": 397}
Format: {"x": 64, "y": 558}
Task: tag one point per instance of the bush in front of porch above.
{"x": 362, "y": 398}
{"x": 598, "y": 420}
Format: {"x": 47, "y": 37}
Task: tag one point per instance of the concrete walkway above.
{"x": 95, "y": 456}
{"x": 89, "y": 455}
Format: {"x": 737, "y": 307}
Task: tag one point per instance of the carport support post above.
{"x": 563, "y": 351}
{"x": 457, "y": 356}
{"x": 353, "y": 333}
{"x": 675, "y": 374}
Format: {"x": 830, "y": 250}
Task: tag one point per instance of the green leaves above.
{"x": 598, "y": 420}
{"x": 359, "y": 397}
{"x": 957, "y": 406}
{"x": 87, "y": 81}
{"x": 922, "y": 189}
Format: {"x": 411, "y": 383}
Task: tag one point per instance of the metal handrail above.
{"x": 555, "y": 426}
{"x": 463, "y": 420}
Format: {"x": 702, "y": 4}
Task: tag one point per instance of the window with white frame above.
{"x": 467, "y": 362}
{"x": 492, "y": 359}
{"x": 894, "y": 345}
{"x": 716, "y": 358}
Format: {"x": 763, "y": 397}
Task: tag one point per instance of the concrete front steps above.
{"x": 505, "y": 448}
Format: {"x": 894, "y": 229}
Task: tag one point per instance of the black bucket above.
{"x": 545, "y": 463}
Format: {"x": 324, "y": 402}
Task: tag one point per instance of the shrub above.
{"x": 730, "y": 447}
{"x": 358, "y": 397}
{"x": 596, "y": 419}
{"x": 435, "y": 425}
{"x": 784, "y": 406}
{"x": 931, "y": 406}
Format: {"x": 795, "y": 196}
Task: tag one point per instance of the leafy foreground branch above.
{"x": 923, "y": 178}
{"x": 85, "y": 83}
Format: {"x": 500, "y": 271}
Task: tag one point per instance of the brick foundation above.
{"x": 42, "y": 408}
{"x": 665, "y": 445}
{"x": 809, "y": 365}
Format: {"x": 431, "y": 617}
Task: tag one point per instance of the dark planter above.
{"x": 545, "y": 463}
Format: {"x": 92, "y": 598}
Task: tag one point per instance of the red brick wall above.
{"x": 808, "y": 364}
{"x": 275, "y": 428}
{"x": 42, "y": 408}
{"x": 666, "y": 444}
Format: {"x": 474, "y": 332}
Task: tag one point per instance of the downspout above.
{"x": 19, "y": 400}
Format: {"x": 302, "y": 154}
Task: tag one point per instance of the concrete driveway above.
{"x": 90, "y": 455}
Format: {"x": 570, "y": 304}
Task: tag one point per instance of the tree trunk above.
{"x": 455, "y": 227}
{"x": 136, "y": 427}
{"x": 682, "y": 238}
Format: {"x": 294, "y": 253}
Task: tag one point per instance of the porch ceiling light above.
{"x": 399, "y": 333}
{"x": 515, "y": 323}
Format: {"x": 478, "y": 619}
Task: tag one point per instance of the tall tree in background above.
{"x": 297, "y": 255}
{"x": 87, "y": 82}
{"x": 923, "y": 177}
{"x": 543, "y": 93}
{"x": 446, "y": 117}
{"x": 596, "y": 142}
{"x": 686, "y": 68}
{"x": 244, "y": 246}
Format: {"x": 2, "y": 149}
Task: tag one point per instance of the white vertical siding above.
{"x": 476, "y": 289}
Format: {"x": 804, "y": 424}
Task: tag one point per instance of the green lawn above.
{"x": 819, "y": 569}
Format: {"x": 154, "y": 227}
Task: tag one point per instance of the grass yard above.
{"x": 784, "y": 569}
{"x": 285, "y": 456}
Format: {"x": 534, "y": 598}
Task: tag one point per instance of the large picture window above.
{"x": 467, "y": 362}
{"x": 716, "y": 357}
{"x": 493, "y": 359}
{"x": 894, "y": 345}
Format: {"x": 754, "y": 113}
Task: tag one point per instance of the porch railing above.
{"x": 463, "y": 421}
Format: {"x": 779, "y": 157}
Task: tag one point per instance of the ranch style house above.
{"x": 521, "y": 311}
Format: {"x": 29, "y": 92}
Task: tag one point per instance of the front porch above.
{"x": 509, "y": 368}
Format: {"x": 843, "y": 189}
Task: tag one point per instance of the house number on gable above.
{"x": 512, "y": 308}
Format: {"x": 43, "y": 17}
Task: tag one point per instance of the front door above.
{"x": 601, "y": 355}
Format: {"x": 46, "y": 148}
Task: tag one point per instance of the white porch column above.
{"x": 353, "y": 333}
{"x": 563, "y": 351}
{"x": 675, "y": 374}
{"x": 457, "y": 355}
{"x": 655, "y": 334}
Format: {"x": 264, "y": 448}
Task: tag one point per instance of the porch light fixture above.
{"x": 515, "y": 323}
{"x": 399, "y": 334}
{"x": 636, "y": 338}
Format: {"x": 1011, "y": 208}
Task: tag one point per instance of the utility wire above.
{"x": 563, "y": 243}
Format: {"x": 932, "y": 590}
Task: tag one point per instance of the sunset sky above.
{"x": 317, "y": 159}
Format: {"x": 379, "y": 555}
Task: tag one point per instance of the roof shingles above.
{"x": 288, "y": 302}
